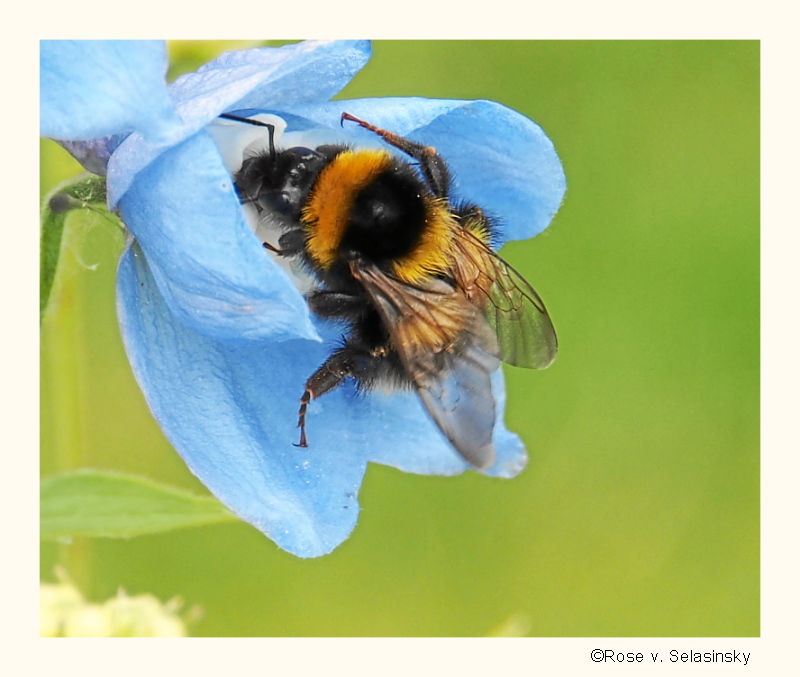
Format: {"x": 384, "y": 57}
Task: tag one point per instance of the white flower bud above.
{"x": 89, "y": 620}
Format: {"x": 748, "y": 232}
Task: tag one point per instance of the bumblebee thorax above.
{"x": 367, "y": 203}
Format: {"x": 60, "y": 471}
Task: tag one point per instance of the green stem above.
{"x": 64, "y": 354}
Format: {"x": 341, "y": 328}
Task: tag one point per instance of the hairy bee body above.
{"x": 427, "y": 303}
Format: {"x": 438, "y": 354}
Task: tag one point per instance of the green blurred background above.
{"x": 638, "y": 514}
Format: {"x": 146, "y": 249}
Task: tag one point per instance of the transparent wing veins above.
{"x": 513, "y": 309}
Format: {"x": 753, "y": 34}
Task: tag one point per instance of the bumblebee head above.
{"x": 279, "y": 181}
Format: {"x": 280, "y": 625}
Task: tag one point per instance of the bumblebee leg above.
{"x": 301, "y": 423}
{"x": 471, "y": 212}
{"x": 289, "y": 244}
{"x": 342, "y": 305}
{"x": 292, "y": 242}
{"x": 433, "y": 167}
{"x": 272, "y": 248}
{"x": 328, "y": 377}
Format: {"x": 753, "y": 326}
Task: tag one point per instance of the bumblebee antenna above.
{"x": 256, "y": 123}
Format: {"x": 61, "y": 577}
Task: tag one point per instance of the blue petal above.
{"x": 500, "y": 160}
{"x": 210, "y": 267}
{"x": 94, "y": 88}
{"x": 231, "y": 412}
{"x": 294, "y": 74}
{"x": 308, "y": 71}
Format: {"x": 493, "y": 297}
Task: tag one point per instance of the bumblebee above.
{"x": 428, "y": 305}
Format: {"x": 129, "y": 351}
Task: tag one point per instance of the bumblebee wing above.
{"x": 459, "y": 400}
{"x": 448, "y": 351}
{"x": 514, "y": 310}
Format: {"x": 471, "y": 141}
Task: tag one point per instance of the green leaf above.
{"x": 105, "y": 504}
{"x": 84, "y": 192}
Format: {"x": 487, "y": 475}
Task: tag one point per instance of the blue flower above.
{"x": 218, "y": 336}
